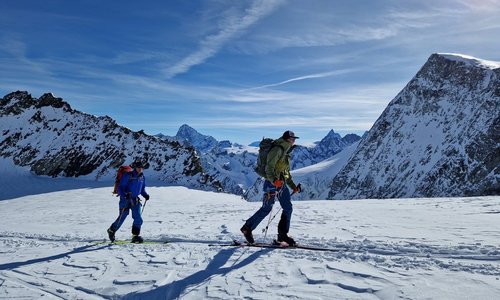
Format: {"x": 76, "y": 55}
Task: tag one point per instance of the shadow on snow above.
{"x": 175, "y": 289}
{"x": 14, "y": 265}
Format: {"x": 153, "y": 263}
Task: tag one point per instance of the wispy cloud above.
{"x": 490, "y": 6}
{"x": 311, "y": 37}
{"x": 311, "y": 76}
{"x": 235, "y": 25}
{"x": 16, "y": 62}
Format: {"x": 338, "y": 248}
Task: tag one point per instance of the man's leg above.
{"x": 267, "y": 205}
{"x": 136, "y": 225}
{"x": 284, "y": 224}
{"x": 122, "y": 215}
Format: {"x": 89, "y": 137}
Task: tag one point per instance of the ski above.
{"x": 124, "y": 242}
{"x": 273, "y": 245}
{"x": 245, "y": 244}
{"x": 313, "y": 248}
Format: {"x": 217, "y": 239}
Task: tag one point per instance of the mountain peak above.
{"x": 332, "y": 134}
{"x": 19, "y": 95}
{"x": 17, "y": 102}
{"x": 19, "y": 99}
{"x": 470, "y": 60}
{"x": 185, "y": 130}
{"x": 203, "y": 143}
{"x": 48, "y": 99}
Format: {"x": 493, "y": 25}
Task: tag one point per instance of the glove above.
{"x": 278, "y": 183}
{"x": 297, "y": 189}
{"x": 146, "y": 197}
{"x": 127, "y": 196}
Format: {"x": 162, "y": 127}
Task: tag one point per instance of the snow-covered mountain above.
{"x": 47, "y": 137}
{"x": 303, "y": 156}
{"x": 330, "y": 145}
{"x": 202, "y": 143}
{"x": 233, "y": 165}
{"x": 316, "y": 179}
{"x": 230, "y": 164}
{"x": 440, "y": 136}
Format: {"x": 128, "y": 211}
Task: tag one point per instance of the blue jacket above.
{"x": 132, "y": 183}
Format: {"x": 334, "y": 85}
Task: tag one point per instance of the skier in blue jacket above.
{"x": 132, "y": 184}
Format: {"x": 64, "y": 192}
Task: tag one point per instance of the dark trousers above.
{"x": 270, "y": 195}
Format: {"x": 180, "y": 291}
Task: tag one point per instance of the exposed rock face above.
{"x": 52, "y": 139}
{"x": 439, "y": 137}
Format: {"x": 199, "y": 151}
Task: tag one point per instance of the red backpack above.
{"x": 121, "y": 170}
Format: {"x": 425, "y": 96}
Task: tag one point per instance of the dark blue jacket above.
{"x": 133, "y": 183}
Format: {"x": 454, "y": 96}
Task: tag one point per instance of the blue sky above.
{"x": 236, "y": 70}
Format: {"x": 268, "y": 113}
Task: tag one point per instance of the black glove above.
{"x": 146, "y": 197}
{"x": 297, "y": 189}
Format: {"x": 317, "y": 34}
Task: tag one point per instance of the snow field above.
{"x": 396, "y": 249}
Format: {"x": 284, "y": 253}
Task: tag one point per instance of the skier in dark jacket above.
{"x": 277, "y": 178}
{"x": 131, "y": 185}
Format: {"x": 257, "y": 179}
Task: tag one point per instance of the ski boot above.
{"x": 285, "y": 241}
{"x": 111, "y": 234}
{"x": 137, "y": 239}
{"x": 247, "y": 233}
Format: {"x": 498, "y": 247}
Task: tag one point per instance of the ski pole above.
{"x": 144, "y": 206}
{"x": 267, "y": 226}
{"x": 278, "y": 195}
{"x": 270, "y": 220}
{"x": 245, "y": 195}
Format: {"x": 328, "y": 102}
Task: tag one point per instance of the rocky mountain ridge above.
{"x": 50, "y": 138}
{"x": 440, "y": 136}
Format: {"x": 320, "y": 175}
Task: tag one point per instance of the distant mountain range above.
{"x": 233, "y": 164}
{"x": 440, "y": 136}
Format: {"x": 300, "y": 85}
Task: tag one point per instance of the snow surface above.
{"x": 395, "y": 249}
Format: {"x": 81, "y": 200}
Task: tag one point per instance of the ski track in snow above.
{"x": 52, "y": 247}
